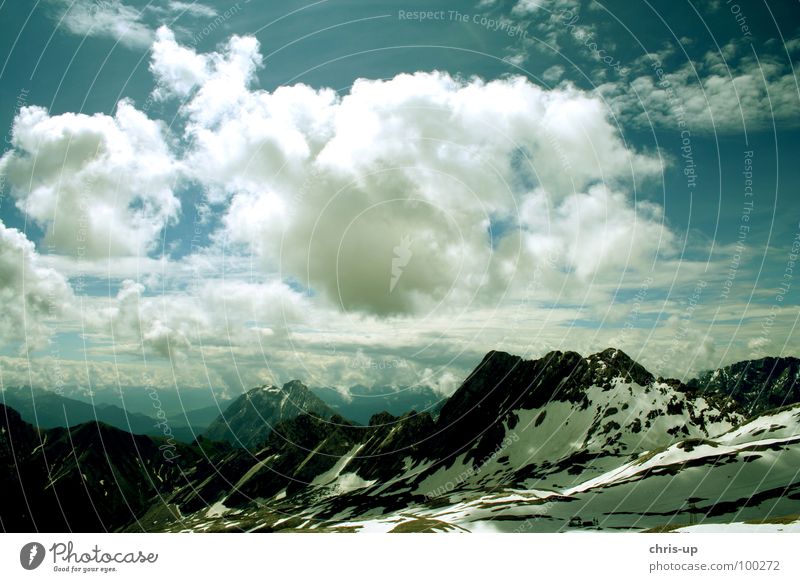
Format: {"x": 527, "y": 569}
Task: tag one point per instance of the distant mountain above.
{"x": 757, "y": 385}
{"x": 249, "y": 419}
{"x": 361, "y": 403}
{"x": 200, "y": 419}
{"x": 46, "y": 409}
{"x": 173, "y": 401}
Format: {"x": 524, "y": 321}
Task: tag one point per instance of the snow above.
{"x": 331, "y": 474}
{"x": 674, "y": 455}
{"x": 254, "y": 469}
{"x": 642, "y": 480}
{"x": 217, "y": 510}
{"x": 350, "y": 482}
{"x": 445, "y": 479}
{"x": 383, "y": 525}
{"x": 43, "y": 443}
{"x": 785, "y": 423}
{"x": 340, "y": 482}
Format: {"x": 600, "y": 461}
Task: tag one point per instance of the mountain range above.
{"x": 47, "y": 409}
{"x": 557, "y": 443}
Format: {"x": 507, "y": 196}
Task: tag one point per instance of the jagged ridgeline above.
{"x": 552, "y": 444}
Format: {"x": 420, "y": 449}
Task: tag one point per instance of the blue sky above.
{"x": 219, "y": 194}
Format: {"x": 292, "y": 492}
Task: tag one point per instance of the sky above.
{"x": 219, "y": 195}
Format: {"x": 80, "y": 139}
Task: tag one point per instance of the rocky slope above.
{"x": 757, "y": 385}
{"x": 537, "y": 428}
{"x": 552, "y": 444}
{"x": 91, "y": 477}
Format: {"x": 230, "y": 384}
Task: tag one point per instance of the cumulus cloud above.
{"x": 178, "y": 69}
{"x": 599, "y": 233}
{"x": 421, "y": 210}
{"x": 100, "y": 185}
{"x": 326, "y": 188}
{"x": 30, "y": 294}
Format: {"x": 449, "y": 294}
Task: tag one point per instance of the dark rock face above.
{"x": 756, "y": 385}
{"x": 300, "y": 449}
{"x": 390, "y": 440}
{"x": 249, "y": 419}
{"x": 17, "y": 439}
{"x": 91, "y": 477}
{"x": 503, "y": 383}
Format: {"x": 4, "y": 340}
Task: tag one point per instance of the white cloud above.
{"x": 101, "y": 185}
{"x": 367, "y": 216}
{"x": 596, "y": 234}
{"x": 30, "y": 294}
{"x": 443, "y": 383}
{"x": 553, "y": 74}
{"x": 107, "y": 18}
{"x": 714, "y": 94}
{"x": 126, "y": 24}
{"x": 193, "y": 8}
{"x": 213, "y": 313}
{"x": 529, "y": 6}
{"x": 179, "y": 70}
{"x": 324, "y": 187}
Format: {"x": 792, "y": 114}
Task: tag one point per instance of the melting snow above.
{"x": 331, "y": 474}
{"x": 217, "y": 510}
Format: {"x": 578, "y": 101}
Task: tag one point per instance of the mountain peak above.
{"x": 613, "y": 362}
{"x": 613, "y": 354}
{"x": 249, "y": 419}
{"x": 294, "y": 385}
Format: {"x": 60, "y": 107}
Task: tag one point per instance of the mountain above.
{"x": 558, "y": 443}
{"x": 541, "y": 445}
{"x": 200, "y": 418}
{"x": 249, "y": 419}
{"x": 173, "y": 401}
{"x": 747, "y": 474}
{"x": 360, "y": 403}
{"x": 46, "y": 409}
{"x": 91, "y": 477}
{"x": 757, "y": 385}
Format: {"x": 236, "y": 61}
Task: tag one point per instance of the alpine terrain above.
{"x": 560, "y": 443}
